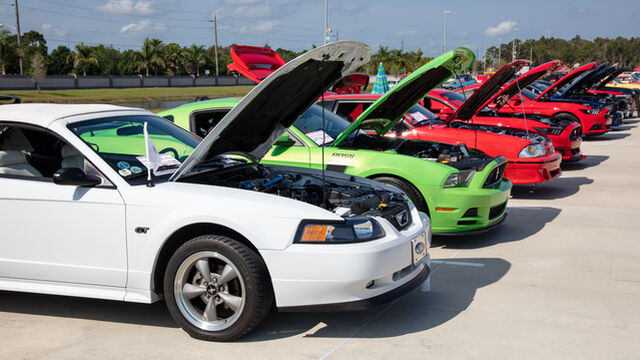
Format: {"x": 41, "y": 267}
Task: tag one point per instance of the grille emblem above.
{"x": 402, "y": 218}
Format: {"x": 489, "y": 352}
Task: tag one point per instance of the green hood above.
{"x": 390, "y": 108}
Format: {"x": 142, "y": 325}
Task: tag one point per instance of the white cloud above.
{"x": 144, "y": 27}
{"x": 126, "y": 7}
{"x": 54, "y": 30}
{"x": 504, "y": 27}
{"x": 255, "y": 11}
{"x": 267, "y": 25}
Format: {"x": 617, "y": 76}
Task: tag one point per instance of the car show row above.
{"x": 307, "y": 194}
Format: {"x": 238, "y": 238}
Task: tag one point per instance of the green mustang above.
{"x": 463, "y": 191}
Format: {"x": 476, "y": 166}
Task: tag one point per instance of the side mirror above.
{"x": 75, "y": 177}
{"x": 284, "y": 140}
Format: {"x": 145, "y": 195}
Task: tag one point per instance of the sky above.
{"x": 299, "y": 24}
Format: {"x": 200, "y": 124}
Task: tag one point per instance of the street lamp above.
{"x": 513, "y": 55}
{"x": 444, "y": 34}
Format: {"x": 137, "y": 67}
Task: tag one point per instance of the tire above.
{"x": 408, "y": 189}
{"x": 238, "y": 292}
{"x": 567, "y": 116}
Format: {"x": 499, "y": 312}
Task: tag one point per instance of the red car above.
{"x": 564, "y": 134}
{"x": 531, "y": 156}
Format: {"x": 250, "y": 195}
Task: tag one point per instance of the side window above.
{"x": 36, "y": 154}
{"x": 351, "y": 110}
{"x": 202, "y": 122}
{"x": 296, "y": 141}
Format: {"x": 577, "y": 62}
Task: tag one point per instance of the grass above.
{"x": 112, "y": 96}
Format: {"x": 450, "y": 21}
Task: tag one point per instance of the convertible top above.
{"x": 44, "y": 114}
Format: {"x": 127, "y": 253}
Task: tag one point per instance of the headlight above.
{"x": 352, "y": 230}
{"x": 594, "y": 111}
{"x": 533, "y": 150}
{"x": 459, "y": 179}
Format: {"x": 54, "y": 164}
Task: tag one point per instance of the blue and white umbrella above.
{"x": 381, "y": 85}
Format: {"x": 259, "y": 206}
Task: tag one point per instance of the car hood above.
{"x": 591, "y": 79}
{"x": 551, "y": 90}
{"x": 609, "y": 78}
{"x": 256, "y": 122}
{"x": 476, "y": 101}
{"x": 256, "y": 63}
{"x": 390, "y": 107}
{"x": 522, "y": 82}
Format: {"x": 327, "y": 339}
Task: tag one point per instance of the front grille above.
{"x": 576, "y": 133}
{"x": 466, "y": 222}
{"x": 398, "y": 215}
{"x": 575, "y": 152}
{"x": 495, "y": 175}
{"x": 497, "y": 210}
{"x": 471, "y": 213}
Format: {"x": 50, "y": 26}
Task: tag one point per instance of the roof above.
{"x": 44, "y": 114}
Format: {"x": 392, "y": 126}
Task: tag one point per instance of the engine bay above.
{"x": 529, "y": 135}
{"x": 346, "y": 198}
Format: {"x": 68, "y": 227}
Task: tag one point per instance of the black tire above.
{"x": 257, "y": 291}
{"x": 408, "y": 189}
{"x": 567, "y": 116}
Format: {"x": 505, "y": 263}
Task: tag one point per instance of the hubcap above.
{"x": 209, "y": 291}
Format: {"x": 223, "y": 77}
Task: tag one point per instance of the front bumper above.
{"x": 459, "y": 211}
{"x": 595, "y": 124}
{"x": 534, "y": 170}
{"x": 334, "y": 275}
{"x": 568, "y": 144}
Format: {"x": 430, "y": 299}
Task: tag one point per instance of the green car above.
{"x": 463, "y": 191}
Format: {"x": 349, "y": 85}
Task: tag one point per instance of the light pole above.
{"x": 499, "y": 51}
{"x": 326, "y": 21}
{"x": 513, "y": 54}
{"x": 444, "y": 33}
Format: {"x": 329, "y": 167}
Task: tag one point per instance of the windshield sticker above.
{"x": 168, "y": 164}
{"x": 123, "y": 165}
{"x": 416, "y": 117}
{"x": 124, "y": 172}
{"x": 136, "y": 169}
{"x": 318, "y": 137}
{"x": 341, "y": 159}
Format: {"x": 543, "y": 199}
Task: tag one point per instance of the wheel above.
{"x": 567, "y": 116}
{"x": 409, "y": 190}
{"x": 216, "y": 288}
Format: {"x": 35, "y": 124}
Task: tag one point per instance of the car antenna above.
{"x": 324, "y": 184}
{"x": 524, "y": 115}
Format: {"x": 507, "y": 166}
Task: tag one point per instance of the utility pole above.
{"x": 215, "y": 46}
{"x": 401, "y": 45}
{"x": 499, "y": 52}
{"x": 484, "y": 59}
{"x": 326, "y": 20}
{"x": 20, "y": 54}
{"x": 531, "y": 53}
{"x": 444, "y": 33}
{"x": 337, "y": 37}
{"x": 513, "y": 54}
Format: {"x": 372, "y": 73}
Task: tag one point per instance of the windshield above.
{"x": 311, "y": 124}
{"x": 454, "y": 97}
{"x": 528, "y": 94}
{"x": 120, "y": 143}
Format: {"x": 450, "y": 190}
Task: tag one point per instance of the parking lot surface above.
{"x": 559, "y": 279}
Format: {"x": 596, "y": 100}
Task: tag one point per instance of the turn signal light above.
{"x": 444, "y": 209}
{"x": 317, "y": 233}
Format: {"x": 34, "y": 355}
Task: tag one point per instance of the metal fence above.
{"x": 61, "y": 82}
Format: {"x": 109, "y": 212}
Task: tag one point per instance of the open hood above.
{"x": 567, "y": 79}
{"x": 607, "y": 79}
{"x": 256, "y": 63}
{"x": 476, "y": 101}
{"x": 588, "y": 80}
{"x": 522, "y": 82}
{"x": 256, "y": 122}
{"x": 352, "y": 84}
{"x": 390, "y": 108}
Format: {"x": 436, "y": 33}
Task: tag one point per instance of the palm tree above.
{"x": 150, "y": 57}
{"x": 82, "y": 57}
{"x": 193, "y": 57}
{"x": 172, "y": 57}
{"x": 5, "y": 49}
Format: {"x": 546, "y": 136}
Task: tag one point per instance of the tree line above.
{"x": 158, "y": 58}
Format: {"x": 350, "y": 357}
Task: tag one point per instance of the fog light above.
{"x": 370, "y": 284}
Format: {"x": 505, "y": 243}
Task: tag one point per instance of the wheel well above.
{"x": 426, "y": 204}
{"x": 185, "y": 234}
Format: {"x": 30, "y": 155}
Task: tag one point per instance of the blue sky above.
{"x": 297, "y": 24}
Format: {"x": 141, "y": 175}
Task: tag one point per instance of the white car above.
{"x": 222, "y": 238}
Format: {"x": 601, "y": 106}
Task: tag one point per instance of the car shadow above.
{"x": 591, "y": 160}
{"x": 623, "y": 127}
{"x": 521, "y": 223}
{"x": 629, "y": 121}
{"x": 453, "y": 288}
{"x": 607, "y": 136}
{"x": 557, "y": 189}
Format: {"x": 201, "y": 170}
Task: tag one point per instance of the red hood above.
{"x": 254, "y": 62}
{"x": 566, "y": 80}
{"x": 522, "y": 82}
{"x": 487, "y": 90}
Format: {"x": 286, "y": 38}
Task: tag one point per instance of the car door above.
{"x": 56, "y": 233}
